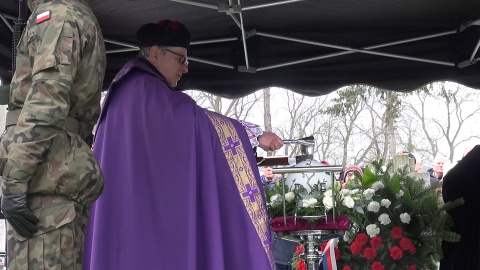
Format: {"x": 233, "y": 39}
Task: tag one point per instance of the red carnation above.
{"x": 412, "y": 267}
{"x": 378, "y": 266}
{"x": 396, "y": 253}
{"x": 347, "y": 267}
{"x": 361, "y": 238}
{"x": 323, "y": 246}
{"x": 299, "y": 250}
{"x": 301, "y": 265}
{"x": 356, "y": 248}
{"x": 397, "y": 233}
{"x": 376, "y": 242}
{"x": 405, "y": 243}
{"x": 369, "y": 253}
{"x": 412, "y": 250}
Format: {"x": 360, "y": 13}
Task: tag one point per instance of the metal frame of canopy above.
{"x": 4, "y": 18}
{"x": 309, "y": 47}
{"x": 231, "y": 9}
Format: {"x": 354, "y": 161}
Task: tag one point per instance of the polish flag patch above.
{"x": 44, "y": 16}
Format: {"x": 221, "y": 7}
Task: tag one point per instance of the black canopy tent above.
{"x": 311, "y": 47}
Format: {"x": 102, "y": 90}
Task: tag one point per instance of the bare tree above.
{"x": 347, "y": 108}
{"x": 455, "y": 107}
{"x": 239, "y": 108}
{"x": 424, "y": 135}
{"x": 304, "y": 119}
{"x": 392, "y": 105}
{"x": 267, "y": 114}
{"x": 358, "y": 123}
{"x": 457, "y": 115}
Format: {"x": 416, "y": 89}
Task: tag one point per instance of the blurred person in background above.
{"x": 436, "y": 172}
{"x": 268, "y": 178}
{"x": 350, "y": 178}
{"x": 463, "y": 181}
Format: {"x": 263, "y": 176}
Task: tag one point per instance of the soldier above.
{"x": 50, "y": 175}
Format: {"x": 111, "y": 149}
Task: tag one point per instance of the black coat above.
{"x": 463, "y": 181}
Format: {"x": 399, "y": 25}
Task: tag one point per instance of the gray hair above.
{"x": 144, "y": 52}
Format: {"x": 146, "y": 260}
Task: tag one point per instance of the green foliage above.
{"x": 346, "y": 101}
{"x": 368, "y": 178}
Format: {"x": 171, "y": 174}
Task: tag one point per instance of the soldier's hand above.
{"x": 18, "y": 214}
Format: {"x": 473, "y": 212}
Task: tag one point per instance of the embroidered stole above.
{"x": 248, "y": 190}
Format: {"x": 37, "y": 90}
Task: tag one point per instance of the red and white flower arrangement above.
{"x": 396, "y": 222}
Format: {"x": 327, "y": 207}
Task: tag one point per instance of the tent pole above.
{"x": 474, "y": 51}
{"x": 4, "y": 18}
{"x": 18, "y": 28}
{"x": 271, "y": 4}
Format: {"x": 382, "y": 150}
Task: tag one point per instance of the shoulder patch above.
{"x": 44, "y": 16}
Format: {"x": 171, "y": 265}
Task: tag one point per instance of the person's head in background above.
{"x": 418, "y": 163}
{"x": 349, "y": 175}
{"x": 164, "y": 45}
{"x": 269, "y": 175}
{"x": 437, "y": 166}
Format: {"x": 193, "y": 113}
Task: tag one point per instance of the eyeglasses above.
{"x": 182, "y": 59}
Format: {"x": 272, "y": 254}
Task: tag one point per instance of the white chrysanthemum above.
{"x": 309, "y": 202}
{"x": 368, "y": 193}
{"x": 345, "y": 192}
{"x": 328, "y": 193}
{"x": 373, "y": 230}
{"x": 328, "y": 202}
{"x": 289, "y": 196}
{"x": 355, "y": 191}
{"x": 405, "y": 218}
{"x": 348, "y": 202}
{"x": 400, "y": 194}
{"x": 384, "y": 219}
{"x": 386, "y": 203}
{"x": 373, "y": 207}
{"x": 346, "y": 238}
{"x": 378, "y": 185}
{"x": 355, "y": 228}
{"x": 276, "y": 200}
{"x": 335, "y": 242}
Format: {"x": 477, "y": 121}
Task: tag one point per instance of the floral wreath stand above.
{"x": 310, "y": 234}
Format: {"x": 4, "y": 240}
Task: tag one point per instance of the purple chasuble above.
{"x": 182, "y": 190}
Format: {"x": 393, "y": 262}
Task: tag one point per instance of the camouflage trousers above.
{"x": 59, "y": 242}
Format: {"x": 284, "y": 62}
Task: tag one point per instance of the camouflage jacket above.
{"x": 60, "y": 67}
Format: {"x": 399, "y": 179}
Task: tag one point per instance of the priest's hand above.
{"x": 269, "y": 141}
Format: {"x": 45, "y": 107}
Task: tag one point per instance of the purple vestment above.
{"x": 182, "y": 190}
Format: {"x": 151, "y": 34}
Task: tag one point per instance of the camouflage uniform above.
{"x": 58, "y": 79}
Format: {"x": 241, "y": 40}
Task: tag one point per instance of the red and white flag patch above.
{"x": 44, "y": 16}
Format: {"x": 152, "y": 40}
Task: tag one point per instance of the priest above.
{"x": 182, "y": 188}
